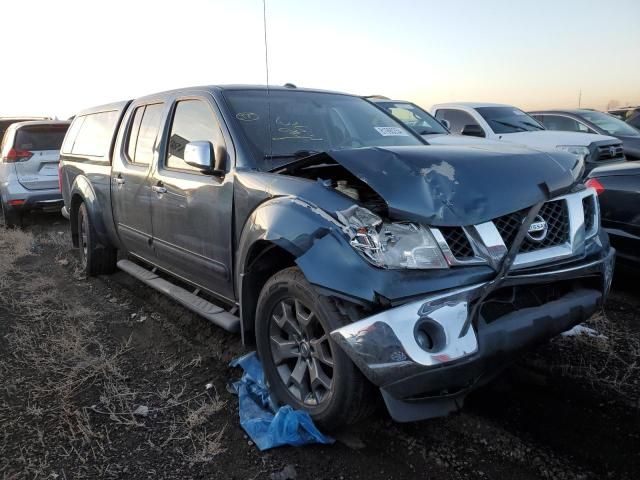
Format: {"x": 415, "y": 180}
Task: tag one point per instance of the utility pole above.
{"x": 580, "y": 99}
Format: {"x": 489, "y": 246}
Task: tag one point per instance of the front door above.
{"x": 130, "y": 184}
{"x": 191, "y": 211}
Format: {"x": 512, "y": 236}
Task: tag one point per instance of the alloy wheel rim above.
{"x": 301, "y": 352}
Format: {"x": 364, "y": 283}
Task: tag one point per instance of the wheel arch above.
{"x": 286, "y": 231}
{"x": 83, "y": 192}
{"x": 264, "y": 260}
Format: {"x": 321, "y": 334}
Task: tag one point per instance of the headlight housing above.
{"x": 579, "y": 151}
{"x": 391, "y": 245}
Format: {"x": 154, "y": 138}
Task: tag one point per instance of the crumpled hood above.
{"x": 451, "y": 186}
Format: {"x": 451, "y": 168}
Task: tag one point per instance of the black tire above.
{"x": 95, "y": 259}
{"x": 350, "y": 396}
{"x": 11, "y": 217}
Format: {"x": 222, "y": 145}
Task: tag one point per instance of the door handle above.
{"x": 119, "y": 180}
{"x": 159, "y": 189}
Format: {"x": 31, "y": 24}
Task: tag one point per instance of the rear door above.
{"x": 37, "y": 148}
{"x": 130, "y": 188}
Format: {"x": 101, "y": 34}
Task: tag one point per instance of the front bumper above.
{"x": 418, "y": 383}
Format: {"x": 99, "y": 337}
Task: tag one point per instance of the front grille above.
{"x": 457, "y": 241}
{"x": 557, "y": 218}
{"x": 589, "y": 213}
{"x": 477, "y": 244}
{"x": 554, "y": 213}
{"x": 609, "y": 152}
{"x": 508, "y": 226}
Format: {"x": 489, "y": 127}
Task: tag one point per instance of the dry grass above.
{"x": 609, "y": 361}
{"x": 67, "y": 389}
{"x": 206, "y": 446}
{"x": 201, "y": 415}
{"x": 14, "y": 244}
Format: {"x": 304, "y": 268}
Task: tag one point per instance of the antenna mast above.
{"x": 266, "y": 66}
{"x": 266, "y": 46}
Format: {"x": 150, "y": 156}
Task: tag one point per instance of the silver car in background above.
{"x": 29, "y": 158}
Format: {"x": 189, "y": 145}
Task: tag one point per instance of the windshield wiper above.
{"x": 511, "y": 125}
{"x": 296, "y": 154}
{"x": 538, "y": 127}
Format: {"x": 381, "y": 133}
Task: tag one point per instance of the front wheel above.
{"x": 303, "y": 366}
{"x": 95, "y": 259}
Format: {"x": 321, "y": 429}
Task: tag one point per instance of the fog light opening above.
{"x": 430, "y": 336}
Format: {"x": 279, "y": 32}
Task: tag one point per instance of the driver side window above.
{"x": 457, "y": 119}
{"x": 193, "y": 120}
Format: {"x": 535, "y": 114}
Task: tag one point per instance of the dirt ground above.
{"x": 104, "y": 378}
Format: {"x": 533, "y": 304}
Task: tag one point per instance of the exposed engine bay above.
{"x": 333, "y": 175}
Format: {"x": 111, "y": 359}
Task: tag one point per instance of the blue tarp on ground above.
{"x": 267, "y": 425}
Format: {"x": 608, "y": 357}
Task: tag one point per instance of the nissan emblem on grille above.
{"x": 538, "y": 229}
{"x": 612, "y": 151}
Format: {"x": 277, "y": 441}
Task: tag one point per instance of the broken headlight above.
{"x": 391, "y": 245}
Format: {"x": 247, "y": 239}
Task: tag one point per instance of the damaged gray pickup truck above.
{"x": 356, "y": 256}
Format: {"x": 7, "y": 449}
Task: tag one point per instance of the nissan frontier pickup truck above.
{"x": 359, "y": 259}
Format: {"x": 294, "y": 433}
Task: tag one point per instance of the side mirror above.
{"x": 445, "y": 124}
{"x": 205, "y": 156}
{"x": 473, "y": 131}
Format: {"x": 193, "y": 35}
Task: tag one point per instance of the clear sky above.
{"x": 59, "y": 57}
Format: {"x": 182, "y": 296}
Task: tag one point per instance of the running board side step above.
{"x": 202, "y": 307}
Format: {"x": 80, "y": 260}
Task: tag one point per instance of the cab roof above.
{"x": 118, "y": 106}
{"x": 277, "y": 88}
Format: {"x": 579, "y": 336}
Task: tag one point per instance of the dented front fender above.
{"x": 321, "y": 250}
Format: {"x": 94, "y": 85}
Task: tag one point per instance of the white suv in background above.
{"x": 29, "y": 159}
{"x": 510, "y": 124}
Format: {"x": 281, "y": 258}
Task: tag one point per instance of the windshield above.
{"x": 508, "y": 120}
{"x": 281, "y": 124}
{"x": 610, "y": 124}
{"x": 414, "y": 117}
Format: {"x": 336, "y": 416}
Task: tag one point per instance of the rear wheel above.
{"x": 303, "y": 366}
{"x": 11, "y": 217}
{"x": 95, "y": 259}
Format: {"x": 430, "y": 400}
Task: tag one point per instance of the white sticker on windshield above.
{"x": 391, "y": 131}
